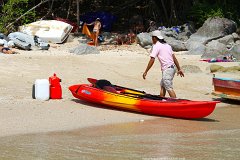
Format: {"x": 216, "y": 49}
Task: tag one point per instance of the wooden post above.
{"x": 78, "y": 14}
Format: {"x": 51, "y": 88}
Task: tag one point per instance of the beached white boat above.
{"x": 51, "y": 31}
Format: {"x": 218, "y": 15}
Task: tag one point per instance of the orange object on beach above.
{"x": 90, "y": 43}
{"x": 86, "y": 31}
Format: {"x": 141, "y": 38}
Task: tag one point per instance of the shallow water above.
{"x": 216, "y": 137}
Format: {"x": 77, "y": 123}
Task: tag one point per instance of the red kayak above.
{"x": 139, "y": 101}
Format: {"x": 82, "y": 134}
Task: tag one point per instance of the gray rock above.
{"x": 169, "y": 33}
{"x": 176, "y": 44}
{"x": 148, "y": 47}
{"x": 217, "y": 27}
{"x": 236, "y": 36}
{"x": 199, "y": 50}
{"x": 85, "y": 49}
{"x": 237, "y": 42}
{"x": 186, "y": 31}
{"x": 235, "y": 51}
{"x": 190, "y": 27}
{"x": 144, "y": 39}
{"x": 229, "y": 39}
{"x": 195, "y": 45}
{"x": 183, "y": 36}
{"x": 213, "y": 29}
{"x": 215, "y": 49}
{"x": 195, "y": 41}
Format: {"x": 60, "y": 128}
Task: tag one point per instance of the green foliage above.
{"x": 203, "y": 10}
{"x": 12, "y": 10}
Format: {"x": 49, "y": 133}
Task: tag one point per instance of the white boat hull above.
{"x": 51, "y": 31}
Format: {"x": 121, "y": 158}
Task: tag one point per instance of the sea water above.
{"x": 215, "y": 137}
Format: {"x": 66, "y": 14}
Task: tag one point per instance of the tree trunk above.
{"x": 173, "y": 17}
{"x": 78, "y": 13}
{"x": 69, "y": 8}
{"x": 165, "y": 11}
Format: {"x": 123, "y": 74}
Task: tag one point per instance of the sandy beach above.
{"x": 122, "y": 65}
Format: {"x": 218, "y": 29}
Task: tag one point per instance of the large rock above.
{"x": 217, "y": 27}
{"x": 214, "y": 49}
{"x": 186, "y": 31}
{"x": 168, "y": 32}
{"x": 196, "y": 46}
{"x": 144, "y": 39}
{"x": 237, "y": 42}
{"x": 176, "y": 44}
{"x": 200, "y": 49}
{"x": 229, "y": 39}
{"x": 236, "y": 36}
{"x": 235, "y": 51}
{"x": 212, "y": 29}
{"x": 195, "y": 41}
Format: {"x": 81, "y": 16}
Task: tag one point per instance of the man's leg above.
{"x": 172, "y": 93}
{"x": 162, "y": 92}
{"x": 168, "y": 75}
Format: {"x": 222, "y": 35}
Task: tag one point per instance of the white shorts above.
{"x": 167, "y": 78}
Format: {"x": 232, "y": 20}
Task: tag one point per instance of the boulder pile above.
{"x": 216, "y": 38}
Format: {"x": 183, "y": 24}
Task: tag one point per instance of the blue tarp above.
{"x": 106, "y": 19}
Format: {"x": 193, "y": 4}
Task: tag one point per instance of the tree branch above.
{"x": 27, "y": 13}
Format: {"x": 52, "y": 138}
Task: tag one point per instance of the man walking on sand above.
{"x": 96, "y": 30}
{"x": 168, "y": 61}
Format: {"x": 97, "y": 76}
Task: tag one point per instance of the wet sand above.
{"x": 215, "y": 137}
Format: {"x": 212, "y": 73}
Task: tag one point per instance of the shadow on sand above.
{"x": 227, "y": 101}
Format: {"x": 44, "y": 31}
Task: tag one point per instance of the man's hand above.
{"x": 180, "y": 72}
{"x": 144, "y": 75}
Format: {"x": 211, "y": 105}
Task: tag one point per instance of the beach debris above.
{"x": 5, "y": 47}
{"x": 141, "y": 120}
{"x": 218, "y": 68}
{"x": 220, "y": 58}
{"x": 45, "y": 89}
{"x": 85, "y": 49}
{"x": 41, "y": 89}
{"x": 127, "y": 38}
{"x": 27, "y": 42}
{"x": 51, "y": 31}
{"x": 55, "y": 87}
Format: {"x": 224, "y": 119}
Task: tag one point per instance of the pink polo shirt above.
{"x": 164, "y": 53}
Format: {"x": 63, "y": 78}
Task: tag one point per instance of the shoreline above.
{"x": 20, "y": 114}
